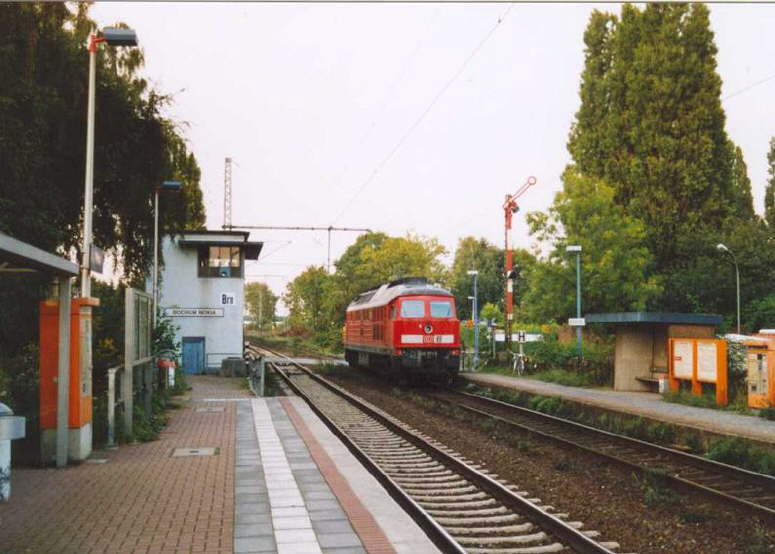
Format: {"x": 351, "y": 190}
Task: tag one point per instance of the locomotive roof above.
{"x": 382, "y": 295}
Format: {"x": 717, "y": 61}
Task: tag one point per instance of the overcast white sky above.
{"x": 310, "y": 100}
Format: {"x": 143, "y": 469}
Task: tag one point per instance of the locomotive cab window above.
{"x": 412, "y": 308}
{"x": 442, "y": 308}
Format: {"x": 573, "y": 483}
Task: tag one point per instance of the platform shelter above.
{"x": 640, "y": 353}
{"x": 19, "y": 257}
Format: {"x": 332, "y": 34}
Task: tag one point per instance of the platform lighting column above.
{"x": 577, "y": 249}
{"x": 112, "y": 37}
{"x": 172, "y": 186}
{"x": 723, "y": 248}
{"x": 475, "y": 273}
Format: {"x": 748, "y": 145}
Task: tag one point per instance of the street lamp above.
{"x": 171, "y": 186}
{"x": 577, "y": 249}
{"x": 475, "y": 273}
{"x": 112, "y": 36}
{"x": 722, "y": 248}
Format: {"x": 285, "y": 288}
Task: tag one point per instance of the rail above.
{"x": 752, "y": 490}
{"x": 567, "y": 534}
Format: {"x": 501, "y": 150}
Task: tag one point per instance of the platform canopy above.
{"x": 650, "y": 318}
{"x": 17, "y": 256}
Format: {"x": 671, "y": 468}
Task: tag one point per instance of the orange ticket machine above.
{"x": 760, "y": 372}
{"x": 80, "y": 395}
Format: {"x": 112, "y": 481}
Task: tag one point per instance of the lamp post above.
{"x": 475, "y": 273}
{"x": 172, "y": 186}
{"x": 112, "y": 36}
{"x": 577, "y": 249}
{"x": 722, "y": 248}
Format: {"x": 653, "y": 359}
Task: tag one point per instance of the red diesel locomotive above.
{"x": 407, "y": 327}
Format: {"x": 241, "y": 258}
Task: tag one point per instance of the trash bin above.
{"x": 167, "y": 370}
{"x": 11, "y": 427}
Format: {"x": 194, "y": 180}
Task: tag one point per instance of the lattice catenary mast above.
{"x": 227, "y": 194}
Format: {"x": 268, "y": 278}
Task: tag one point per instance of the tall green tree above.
{"x": 43, "y": 97}
{"x": 769, "y": 192}
{"x": 261, "y": 303}
{"x": 480, "y": 255}
{"x": 615, "y": 257}
{"x": 651, "y": 126}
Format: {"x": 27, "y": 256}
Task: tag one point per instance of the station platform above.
{"x": 644, "y": 404}
{"x": 230, "y": 473}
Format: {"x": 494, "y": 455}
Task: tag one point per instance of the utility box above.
{"x": 80, "y": 393}
{"x": 760, "y": 371}
{"x": 11, "y": 427}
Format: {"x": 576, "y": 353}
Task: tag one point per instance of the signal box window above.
{"x": 220, "y": 261}
{"x": 442, "y": 308}
{"x": 412, "y": 308}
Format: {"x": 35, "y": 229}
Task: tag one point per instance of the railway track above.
{"x": 461, "y": 506}
{"x": 751, "y": 490}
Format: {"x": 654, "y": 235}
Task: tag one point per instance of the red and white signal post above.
{"x": 510, "y": 207}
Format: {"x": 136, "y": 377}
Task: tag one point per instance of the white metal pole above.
{"x": 155, "y": 255}
{"x": 737, "y": 273}
{"x": 89, "y": 184}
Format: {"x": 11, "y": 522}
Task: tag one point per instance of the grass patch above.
{"x": 739, "y": 452}
{"x": 656, "y": 489}
{"x": 739, "y": 404}
{"x": 767, "y": 413}
{"x": 563, "y": 377}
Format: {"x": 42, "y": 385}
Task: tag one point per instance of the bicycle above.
{"x": 518, "y": 363}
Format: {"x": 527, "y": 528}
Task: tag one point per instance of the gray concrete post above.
{"x": 63, "y": 373}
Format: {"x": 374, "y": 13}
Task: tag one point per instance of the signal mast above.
{"x": 510, "y": 207}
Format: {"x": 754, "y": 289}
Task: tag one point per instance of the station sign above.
{"x": 193, "y": 312}
{"x": 577, "y": 322}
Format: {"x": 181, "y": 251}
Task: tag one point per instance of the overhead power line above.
{"x": 424, "y": 113}
{"x": 749, "y": 87}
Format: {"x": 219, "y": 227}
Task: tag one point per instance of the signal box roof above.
{"x": 195, "y": 239}
{"x": 651, "y": 318}
{"x": 383, "y": 294}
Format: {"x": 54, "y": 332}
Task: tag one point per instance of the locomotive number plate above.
{"x": 437, "y": 339}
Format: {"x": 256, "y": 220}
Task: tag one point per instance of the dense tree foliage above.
{"x": 651, "y": 125}
{"x": 317, "y": 300}
{"x": 615, "y": 255}
{"x": 261, "y": 304}
{"x": 43, "y": 97}
{"x": 487, "y": 259}
{"x": 769, "y": 192}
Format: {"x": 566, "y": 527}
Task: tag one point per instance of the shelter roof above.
{"x": 18, "y": 256}
{"x": 650, "y": 318}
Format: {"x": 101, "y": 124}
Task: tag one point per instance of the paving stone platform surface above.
{"x": 249, "y": 475}
{"x": 640, "y": 403}
{"x": 143, "y": 499}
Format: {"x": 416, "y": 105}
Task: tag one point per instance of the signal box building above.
{"x": 202, "y": 290}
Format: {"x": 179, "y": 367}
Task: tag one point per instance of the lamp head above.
{"x": 171, "y": 186}
{"x": 573, "y": 248}
{"x": 115, "y": 36}
{"x": 721, "y": 247}
{"x": 473, "y": 272}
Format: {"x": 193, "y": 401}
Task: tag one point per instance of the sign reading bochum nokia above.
{"x": 193, "y": 312}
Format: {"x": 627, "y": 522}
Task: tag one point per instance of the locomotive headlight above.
{"x": 428, "y": 329}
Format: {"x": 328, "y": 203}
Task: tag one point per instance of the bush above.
{"x": 739, "y": 452}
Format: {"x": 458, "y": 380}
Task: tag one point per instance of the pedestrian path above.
{"x": 292, "y": 497}
{"x": 139, "y": 498}
{"x": 230, "y": 473}
{"x": 643, "y": 404}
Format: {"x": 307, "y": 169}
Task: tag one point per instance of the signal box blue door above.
{"x": 193, "y": 355}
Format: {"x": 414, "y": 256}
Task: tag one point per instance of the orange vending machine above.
{"x": 80, "y": 398}
{"x": 760, "y": 371}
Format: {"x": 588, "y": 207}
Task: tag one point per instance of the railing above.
{"x": 220, "y": 357}
{"x": 143, "y": 382}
